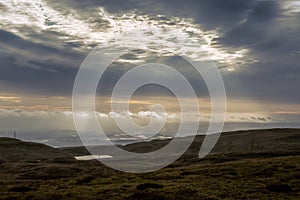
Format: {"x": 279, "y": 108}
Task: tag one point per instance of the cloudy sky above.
{"x": 254, "y": 43}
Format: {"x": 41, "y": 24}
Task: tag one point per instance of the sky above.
{"x": 255, "y": 44}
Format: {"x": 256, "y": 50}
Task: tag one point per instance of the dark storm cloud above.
{"x": 271, "y": 35}
{"x": 213, "y": 13}
{"x": 263, "y": 27}
{"x": 29, "y": 67}
{"x": 46, "y": 49}
{"x": 115, "y": 71}
{"x": 273, "y": 38}
{"x": 254, "y": 25}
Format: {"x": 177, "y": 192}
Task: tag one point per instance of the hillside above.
{"x": 14, "y": 150}
{"x": 258, "y": 164}
{"x": 248, "y": 141}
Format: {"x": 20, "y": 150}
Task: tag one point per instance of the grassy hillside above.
{"x": 262, "y": 164}
{"x": 14, "y": 150}
{"x": 271, "y": 140}
{"x": 254, "y": 178}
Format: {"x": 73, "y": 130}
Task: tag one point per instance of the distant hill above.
{"x": 269, "y": 140}
{"x": 250, "y": 141}
{"x": 14, "y": 150}
{"x": 237, "y": 141}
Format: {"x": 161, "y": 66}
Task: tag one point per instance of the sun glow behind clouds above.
{"x": 155, "y": 33}
{"x": 291, "y": 6}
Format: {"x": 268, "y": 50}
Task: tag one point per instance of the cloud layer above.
{"x": 255, "y": 44}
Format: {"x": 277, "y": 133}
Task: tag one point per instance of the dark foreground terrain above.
{"x": 262, "y": 164}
